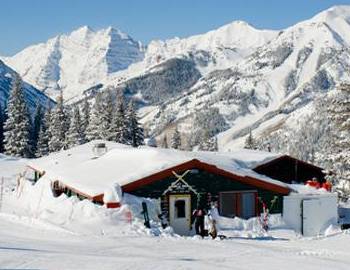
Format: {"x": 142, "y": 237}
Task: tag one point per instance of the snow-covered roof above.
{"x": 78, "y": 167}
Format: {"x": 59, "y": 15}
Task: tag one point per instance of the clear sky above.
{"x": 26, "y": 22}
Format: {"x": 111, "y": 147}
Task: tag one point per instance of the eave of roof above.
{"x": 192, "y": 164}
{"x": 196, "y": 164}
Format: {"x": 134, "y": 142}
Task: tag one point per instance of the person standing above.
{"x": 198, "y": 217}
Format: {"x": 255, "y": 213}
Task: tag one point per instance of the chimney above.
{"x": 99, "y": 149}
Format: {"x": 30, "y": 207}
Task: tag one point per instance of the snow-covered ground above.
{"x": 38, "y": 231}
{"x": 26, "y": 244}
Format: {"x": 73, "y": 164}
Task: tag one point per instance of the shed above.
{"x": 310, "y": 214}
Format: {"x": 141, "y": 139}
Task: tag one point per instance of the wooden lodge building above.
{"x": 237, "y": 181}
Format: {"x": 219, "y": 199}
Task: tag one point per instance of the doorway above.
{"x": 180, "y": 213}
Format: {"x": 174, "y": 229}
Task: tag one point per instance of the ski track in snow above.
{"x": 31, "y": 247}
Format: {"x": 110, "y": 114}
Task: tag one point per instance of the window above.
{"x": 228, "y": 204}
{"x": 238, "y": 203}
{"x": 180, "y": 211}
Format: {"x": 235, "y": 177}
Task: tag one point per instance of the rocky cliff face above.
{"x": 76, "y": 61}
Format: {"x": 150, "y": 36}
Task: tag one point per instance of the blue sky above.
{"x": 26, "y": 22}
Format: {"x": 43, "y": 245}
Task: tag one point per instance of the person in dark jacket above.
{"x": 198, "y": 217}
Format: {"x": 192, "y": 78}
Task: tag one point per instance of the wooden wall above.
{"x": 207, "y": 183}
{"x": 287, "y": 169}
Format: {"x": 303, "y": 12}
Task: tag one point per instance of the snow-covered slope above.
{"x": 32, "y": 95}
{"x": 303, "y": 63}
{"x": 76, "y": 61}
{"x": 216, "y": 49}
{"x": 298, "y": 65}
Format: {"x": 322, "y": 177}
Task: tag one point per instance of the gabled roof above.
{"x": 257, "y": 180}
{"x": 270, "y": 162}
{"x": 127, "y": 166}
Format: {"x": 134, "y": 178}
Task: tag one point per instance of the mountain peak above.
{"x": 76, "y": 60}
{"x": 333, "y": 13}
{"x": 82, "y": 32}
{"x": 85, "y": 28}
{"x": 238, "y": 23}
{"x": 112, "y": 31}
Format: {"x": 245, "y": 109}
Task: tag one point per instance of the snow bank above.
{"x": 37, "y": 203}
{"x": 251, "y": 228}
{"x": 332, "y": 230}
{"x": 11, "y": 167}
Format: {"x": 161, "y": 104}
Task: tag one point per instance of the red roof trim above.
{"x": 196, "y": 164}
{"x": 78, "y": 192}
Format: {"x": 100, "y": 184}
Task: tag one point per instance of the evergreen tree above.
{"x": 337, "y": 148}
{"x": 250, "y": 142}
{"x": 134, "y": 130}
{"x": 17, "y": 125}
{"x": 2, "y": 122}
{"x": 58, "y": 126}
{"x": 85, "y": 118}
{"x": 152, "y": 142}
{"x": 37, "y": 122}
{"x": 213, "y": 144}
{"x": 164, "y": 142}
{"x": 176, "y": 139}
{"x": 44, "y": 135}
{"x": 118, "y": 128}
{"x": 68, "y": 112}
{"x": 75, "y": 134}
{"x": 106, "y": 115}
{"x": 208, "y": 143}
{"x": 208, "y": 120}
{"x": 93, "y": 129}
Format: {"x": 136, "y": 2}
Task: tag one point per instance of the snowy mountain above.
{"x": 277, "y": 81}
{"x": 76, "y": 61}
{"x": 238, "y": 77}
{"x": 84, "y": 58}
{"x": 32, "y": 94}
{"x": 216, "y": 49}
